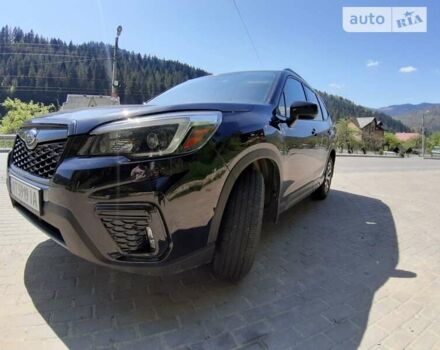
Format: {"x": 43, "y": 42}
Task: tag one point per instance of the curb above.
{"x": 365, "y": 155}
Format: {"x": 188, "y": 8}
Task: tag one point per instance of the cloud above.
{"x": 372, "y": 63}
{"x": 336, "y": 86}
{"x": 408, "y": 69}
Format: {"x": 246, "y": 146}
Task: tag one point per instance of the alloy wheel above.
{"x": 328, "y": 175}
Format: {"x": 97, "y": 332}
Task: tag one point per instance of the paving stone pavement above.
{"x": 359, "y": 270}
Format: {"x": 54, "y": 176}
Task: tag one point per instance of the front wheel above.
{"x": 323, "y": 190}
{"x": 240, "y": 228}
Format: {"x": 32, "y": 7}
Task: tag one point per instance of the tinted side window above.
{"x": 323, "y": 108}
{"x": 311, "y": 97}
{"x": 293, "y": 92}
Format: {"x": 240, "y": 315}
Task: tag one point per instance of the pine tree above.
{"x": 46, "y": 70}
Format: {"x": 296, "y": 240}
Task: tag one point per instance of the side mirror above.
{"x": 302, "y": 110}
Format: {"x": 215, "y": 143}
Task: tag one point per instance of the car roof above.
{"x": 286, "y": 70}
{"x": 295, "y": 74}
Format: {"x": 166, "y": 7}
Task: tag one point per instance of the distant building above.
{"x": 372, "y": 129}
{"x": 370, "y": 126}
{"x": 407, "y": 136}
{"x": 74, "y": 101}
{"x": 368, "y": 131}
{"x": 356, "y": 130}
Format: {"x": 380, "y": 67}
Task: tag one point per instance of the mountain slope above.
{"x": 411, "y": 115}
{"x": 340, "y": 107}
{"x": 407, "y": 108}
{"x": 414, "y": 121}
{"x": 46, "y": 70}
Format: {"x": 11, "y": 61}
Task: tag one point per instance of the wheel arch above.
{"x": 267, "y": 161}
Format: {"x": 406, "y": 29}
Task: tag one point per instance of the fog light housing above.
{"x": 137, "y": 230}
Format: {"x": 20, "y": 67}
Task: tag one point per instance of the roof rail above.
{"x": 294, "y": 73}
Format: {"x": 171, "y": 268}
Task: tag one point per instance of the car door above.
{"x": 320, "y": 130}
{"x": 328, "y": 132}
{"x": 298, "y": 161}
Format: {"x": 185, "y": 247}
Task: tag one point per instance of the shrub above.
{"x": 18, "y": 112}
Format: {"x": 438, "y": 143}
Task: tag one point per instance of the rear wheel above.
{"x": 240, "y": 228}
{"x": 324, "y": 189}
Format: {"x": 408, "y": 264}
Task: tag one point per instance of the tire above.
{"x": 322, "y": 191}
{"x": 240, "y": 228}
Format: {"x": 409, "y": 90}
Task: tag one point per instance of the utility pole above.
{"x": 423, "y": 135}
{"x": 115, "y": 82}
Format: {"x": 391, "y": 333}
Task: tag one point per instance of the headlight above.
{"x": 153, "y": 136}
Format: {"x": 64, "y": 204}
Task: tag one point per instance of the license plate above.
{"x": 26, "y": 194}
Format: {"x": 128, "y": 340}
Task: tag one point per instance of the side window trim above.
{"x": 304, "y": 90}
{"x": 284, "y": 88}
{"x": 323, "y": 108}
{"x": 319, "y": 103}
{"x": 283, "y": 100}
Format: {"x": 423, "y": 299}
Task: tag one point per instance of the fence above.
{"x": 6, "y": 142}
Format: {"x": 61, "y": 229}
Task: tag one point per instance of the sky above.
{"x": 372, "y": 69}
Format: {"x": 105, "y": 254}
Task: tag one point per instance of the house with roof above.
{"x": 74, "y": 101}
{"x": 368, "y": 130}
{"x": 407, "y": 136}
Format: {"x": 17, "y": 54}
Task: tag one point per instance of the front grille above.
{"x": 41, "y": 161}
{"x": 130, "y": 234}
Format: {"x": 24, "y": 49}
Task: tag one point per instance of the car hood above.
{"x": 82, "y": 121}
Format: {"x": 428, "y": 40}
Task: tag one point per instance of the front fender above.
{"x": 236, "y": 167}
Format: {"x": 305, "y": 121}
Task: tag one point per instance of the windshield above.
{"x": 243, "y": 87}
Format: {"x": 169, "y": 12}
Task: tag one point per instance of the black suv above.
{"x": 183, "y": 180}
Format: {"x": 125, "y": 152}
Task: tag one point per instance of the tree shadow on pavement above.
{"x": 312, "y": 287}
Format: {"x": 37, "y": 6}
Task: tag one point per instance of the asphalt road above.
{"x": 386, "y": 164}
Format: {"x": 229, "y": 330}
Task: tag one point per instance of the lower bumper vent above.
{"x": 137, "y": 230}
{"x": 130, "y": 234}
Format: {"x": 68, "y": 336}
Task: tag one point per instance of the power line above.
{"x": 48, "y": 88}
{"x": 88, "y": 92}
{"x": 51, "y": 77}
{"x": 19, "y": 43}
{"x": 247, "y": 32}
{"x": 44, "y": 54}
{"x": 60, "y": 62}
{"x": 55, "y": 89}
{"x": 31, "y": 44}
{"x": 42, "y": 87}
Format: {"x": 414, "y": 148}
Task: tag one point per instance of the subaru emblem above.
{"x": 29, "y": 136}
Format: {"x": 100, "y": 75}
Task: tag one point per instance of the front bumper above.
{"x": 86, "y": 196}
